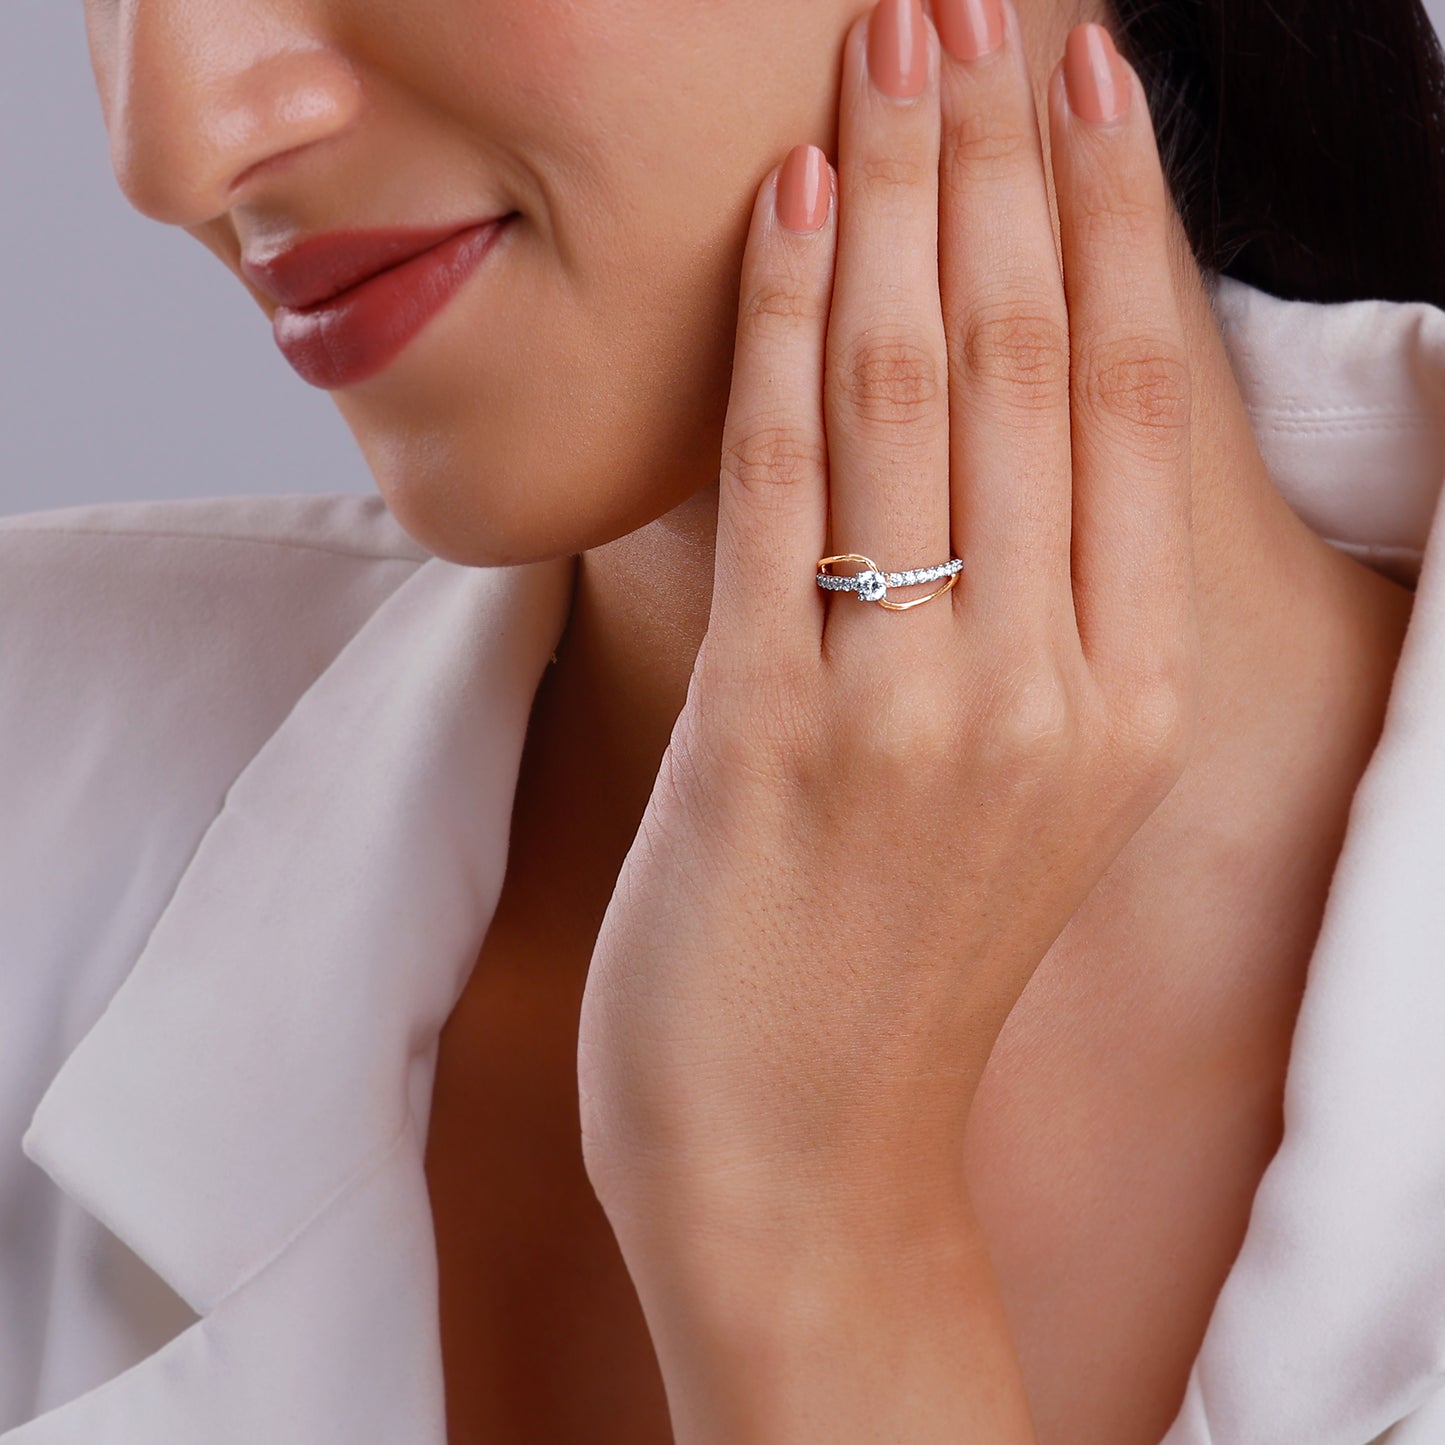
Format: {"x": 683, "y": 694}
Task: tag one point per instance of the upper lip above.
{"x": 323, "y": 266}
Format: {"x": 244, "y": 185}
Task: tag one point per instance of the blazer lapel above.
{"x": 249, "y": 1112}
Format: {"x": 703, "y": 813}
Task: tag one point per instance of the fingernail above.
{"x": 1094, "y": 76}
{"x": 898, "y": 48}
{"x": 969, "y": 28}
{"x": 803, "y": 190}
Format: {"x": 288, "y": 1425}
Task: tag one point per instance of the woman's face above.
{"x": 575, "y": 387}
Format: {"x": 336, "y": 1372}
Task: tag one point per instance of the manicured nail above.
{"x": 1094, "y": 76}
{"x": 898, "y": 48}
{"x": 803, "y": 189}
{"x": 969, "y": 28}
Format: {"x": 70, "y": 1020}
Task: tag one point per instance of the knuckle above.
{"x": 1155, "y": 729}
{"x": 766, "y": 458}
{"x": 888, "y": 171}
{"x": 1023, "y": 350}
{"x": 1033, "y": 727}
{"x": 1141, "y": 384}
{"x": 984, "y": 140}
{"x": 1112, "y": 217}
{"x": 778, "y": 304}
{"x": 907, "y": 732}
{"x": 888, "y": 376}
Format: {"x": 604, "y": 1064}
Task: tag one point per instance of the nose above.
{"x": 199, "y": 95}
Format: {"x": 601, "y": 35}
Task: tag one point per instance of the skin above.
{"x": 615, "y": 128}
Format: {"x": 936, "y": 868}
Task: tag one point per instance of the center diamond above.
{"x": 871, "y": 586}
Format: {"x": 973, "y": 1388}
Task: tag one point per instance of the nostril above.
{"x": 266, "y": 163}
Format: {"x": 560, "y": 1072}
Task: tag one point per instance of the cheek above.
{"x": 583, "y": 394}
{"x": 554, "y": 417}
{"x": 642, "y": 110}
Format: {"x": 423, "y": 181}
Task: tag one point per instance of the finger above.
{"x": 886, "y": 398}
{"x": 772, "y": 486}
{"x": 1130, "y": 392}
{"x": 1008, "y": 327}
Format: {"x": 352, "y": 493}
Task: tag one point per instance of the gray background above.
{"x": 133, "y": 365}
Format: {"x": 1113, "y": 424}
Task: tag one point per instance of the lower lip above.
{"x": 353, "y": 336}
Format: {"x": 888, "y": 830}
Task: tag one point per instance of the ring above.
{"x": 872, "y": 583}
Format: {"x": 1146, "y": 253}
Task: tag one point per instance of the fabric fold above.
{"x": 352, "y": 1297}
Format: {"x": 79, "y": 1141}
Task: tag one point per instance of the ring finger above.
{"x": 886, "y": 395}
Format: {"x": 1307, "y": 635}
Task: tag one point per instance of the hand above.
{"x": 869, "y": 828}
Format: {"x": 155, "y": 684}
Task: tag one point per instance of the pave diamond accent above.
{"x": 924, "y": 574}
{"x": 872, "y": 585}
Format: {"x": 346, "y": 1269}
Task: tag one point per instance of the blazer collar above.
{"x": 1347, "y": 402}
{"x": 268, "y": 1061}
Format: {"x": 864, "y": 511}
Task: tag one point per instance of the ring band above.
{"x": 872, "y": 583}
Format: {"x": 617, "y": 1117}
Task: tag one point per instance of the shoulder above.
{"x": 351, "y": 522}
{"x": 144, "y": 644}
{"x": 123, "y": 599}
{"x": 147, "y": 650}
{"x": 138, "y": 554}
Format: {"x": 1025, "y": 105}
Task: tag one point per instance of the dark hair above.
{"x": 1304, "y": 140}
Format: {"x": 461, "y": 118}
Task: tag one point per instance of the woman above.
{"x": 771, "y": 901}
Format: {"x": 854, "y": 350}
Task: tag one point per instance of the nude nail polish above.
{"x": 898, "y": 48}
{"x": 803, "y": 189}
{"x": 1094, "y": 76}
{"x": 969, "y": 28}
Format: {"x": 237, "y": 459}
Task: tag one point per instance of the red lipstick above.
{"x": 349, "y": 302}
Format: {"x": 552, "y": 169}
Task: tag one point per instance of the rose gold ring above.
{"x": 872, "y": 583}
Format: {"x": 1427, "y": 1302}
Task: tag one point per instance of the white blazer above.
{"x": 257, "y": 761}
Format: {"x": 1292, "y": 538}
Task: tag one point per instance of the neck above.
{"x": 1290, "y": 628}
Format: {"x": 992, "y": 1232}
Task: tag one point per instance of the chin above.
{"x": 480, "y": 505}
{"x": 499, "y": 486}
